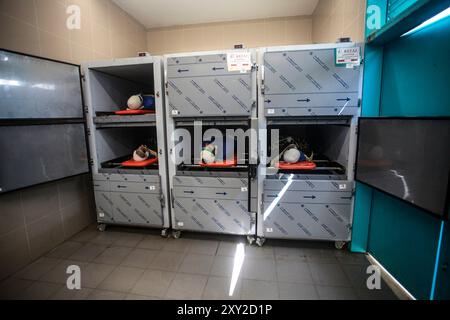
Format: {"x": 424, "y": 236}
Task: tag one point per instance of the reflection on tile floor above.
{"x": 139, "y": 264}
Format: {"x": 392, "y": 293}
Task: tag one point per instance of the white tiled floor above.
{"x": 138, "y": 264}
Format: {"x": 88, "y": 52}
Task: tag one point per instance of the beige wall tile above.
{"x": 298, "y": 30}
{"x": 18, "y": 36}
{"x": 80, "y": 53}
{"x": 117, "y": 21}
{"x": 54, "y": 47}
{"x": 193, "y": 40}
{"x": 101, "y": 40}
{"x": 155, "y": 41}
{"x": 333, "y": 19}
{"x": 51, "y": 17}
{"x": 82, "y": 36}
{"x": 100, "y": 12}
{"x": 14, "y": 252}
{"x": 20, "y": 9}
{"x": 173, "y": 40}
{"x": 213, "y": 36}
{"x": 253, "y": 33}
{"x": 274, "y": 31}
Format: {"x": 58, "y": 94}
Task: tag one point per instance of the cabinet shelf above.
{"x": 109, "y": 119}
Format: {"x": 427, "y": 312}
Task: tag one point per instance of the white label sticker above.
{"x": 270, "y": 111}
{"x": 348, "y": 56}
{"x": 101, "y": 214}
{"x": 239, "y": 61}
{"x": 244, "y": 189}
{"x": 342, "y": 186}
{"x": 174, "y": 112}
{"x": 269, "y": 229}
{"x": 180, "y": 223}
{"x": 152, "y": 188}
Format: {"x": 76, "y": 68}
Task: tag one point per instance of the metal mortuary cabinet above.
{"x": 305, "y": 93}
{"x": 202, "y": 86}
{"x": 202, "y": 93}
{"x": 308, "y": 82}
{"x": 125, "y": 195}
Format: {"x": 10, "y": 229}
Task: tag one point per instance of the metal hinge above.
{"x": 172, "y": 200}
{"x": 262, "y": 87}
{"x": 163, "y": 200}
{"x": 255, "y": 67}
{"x": 83, "y": 77}
{"x": 86, "y": 109}
{"x": 88, "y": 132}
{"x": 91, "y": 162}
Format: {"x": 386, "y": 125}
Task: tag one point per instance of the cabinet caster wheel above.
{"x": 260, "y": 241}
{"x": 339, "y": 245}
{"x": 101, "y": 227}
{"x": 164, "y": 233}
{"x": 176, "y": 234}
{"x": 250, "y": 239}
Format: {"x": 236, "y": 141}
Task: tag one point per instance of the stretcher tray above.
{"x": 225, "y": 164}
{"x": 303, "y": 165}
{"x": 139, "y": 164}
{"x": 133, "y": 112}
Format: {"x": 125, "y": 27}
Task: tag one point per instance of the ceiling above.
{"x": 164, "y": 13}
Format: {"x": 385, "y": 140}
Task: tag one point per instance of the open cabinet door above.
{"x": 42, "y": 126}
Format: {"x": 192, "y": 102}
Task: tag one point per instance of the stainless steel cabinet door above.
{"x": 210, "y": 215}
{"x": 203, "y": 86}
{"x": 308, "y": 82}
{"x": 307, "y": 221}
{"x": 104, "y": 206}
{"x": 137, "y": 208}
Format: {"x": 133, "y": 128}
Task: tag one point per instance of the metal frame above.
{"x": 158, "y": 81}
{"x": 49, "y": 121}
{"x": 172, "y": 123}
{"x": 263, "y": 124}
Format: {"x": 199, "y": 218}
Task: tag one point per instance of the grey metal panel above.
{"x": 135, "y": 187}
{"x": 335, "y": 100}
{"x": 307, "y": 185}
{"x": 197, "y": 59}
{"x": 296, "y": 83}
{"x": 298, "y": 112}
{"x": 37, "y": 154}
{"x": 309, "y": 196}
{"x": 101, "y": 185}
{"x": 307, "y": 71}
{"x": 213, "y": 182}
{"x": 210, "y": 193}
{"x": 134, "y": 178}
{"x": 308, "y": 221}
{"x": 100, "y": 176}
{"x": 211, "y": 95}
{"x": 137, "y": 208}
{"x": 38, "y": 88}
{"x": 202, "y": 86}
{"x": 209, "y": 215}
{"x": 148, "y": 119}
{"x": 104, "y": 206}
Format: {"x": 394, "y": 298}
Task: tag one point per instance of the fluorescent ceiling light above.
{"x": 434, "y": 19}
